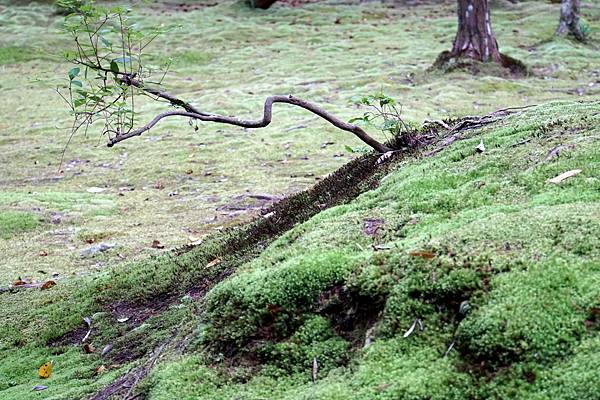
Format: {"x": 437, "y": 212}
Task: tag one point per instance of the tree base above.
{"x": 447, "y": 62}
{"x": 264, "y": 4}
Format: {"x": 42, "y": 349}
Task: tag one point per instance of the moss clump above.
{"x": 273, "y": 297}
{"x": 534, "y": 315}
{"x": 14, "y": 222}
{"x": 15, "y": 55}
{"x": 314, "y": 340}
{"x": 574, "y": 376}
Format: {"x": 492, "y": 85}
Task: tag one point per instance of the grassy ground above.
{"x": 483, "y": 228}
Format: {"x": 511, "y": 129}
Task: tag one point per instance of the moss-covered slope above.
{"x": 463, "y": 275}
{"x": 478, "y": 247}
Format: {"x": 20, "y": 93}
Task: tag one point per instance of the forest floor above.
{"x": 490, "y": 223}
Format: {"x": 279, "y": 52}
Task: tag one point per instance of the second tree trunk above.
{"x": 569, "y": 19}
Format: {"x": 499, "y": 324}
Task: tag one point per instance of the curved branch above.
{"x": 265, "y": 121}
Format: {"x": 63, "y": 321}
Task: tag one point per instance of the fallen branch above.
{"x": 193, "y": 113}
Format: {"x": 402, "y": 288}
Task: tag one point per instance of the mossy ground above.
{"x": 458, "y": 226}
{"x": 490, "y": 230}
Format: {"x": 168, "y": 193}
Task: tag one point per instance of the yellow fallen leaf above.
{"x": 45, "y": 370}
{"x": 558, "y": 179}
{"x": 100, "y": 370}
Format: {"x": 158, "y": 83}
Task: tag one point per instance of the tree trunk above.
{"x": 264, "y": 4}
{"x": 569, "y": 19}
{"x": 475, "y": 38}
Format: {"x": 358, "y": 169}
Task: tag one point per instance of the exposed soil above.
{"x": 71, "y": 338}
{"x": 351, "y": 314}
{"x": 133, "y": 315}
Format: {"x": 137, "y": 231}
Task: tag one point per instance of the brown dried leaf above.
{"x": 423, "y": 254}
{"x": 48, "y": 285}
{"x": 88, "y": 348}
{"x": 43, "y": 253}
{"x": 19, "y": 282}
{"x": 156, "y": 244}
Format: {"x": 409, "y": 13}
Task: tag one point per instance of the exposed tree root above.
{"x": 469, "y": 123}
{"x": 125, "y": 386}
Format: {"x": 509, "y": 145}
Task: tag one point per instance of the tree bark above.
{"x": 569, "y": 19}
{"x": 475, "y": 38}
{"x": 264, "y": 4}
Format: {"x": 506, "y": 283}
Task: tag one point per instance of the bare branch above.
{"x": 132, "y": 81}
{"x": 265, "y": 121}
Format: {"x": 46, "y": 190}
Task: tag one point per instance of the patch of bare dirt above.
{"x": 71, "y": 338}
{"x": 351, "y": 314}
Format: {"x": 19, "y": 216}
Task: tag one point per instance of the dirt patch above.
{"x": 351, "y": 314}
{"x": 134, "y": 314}
{"x": 372, "y": 226}
{"x": 71, "y": 338}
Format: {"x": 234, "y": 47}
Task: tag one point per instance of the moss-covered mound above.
{"x": 463, "y": 275}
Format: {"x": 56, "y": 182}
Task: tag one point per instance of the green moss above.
{"x": 73, "y": 374}
{"x": 237, "y": 307}
{"x": 314, "y": 340}
{"x": 573, "y": 377}
{"x": 13, "y": 223}
{"x": 535, "y": 315}
{"x": 14, "y": 55}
